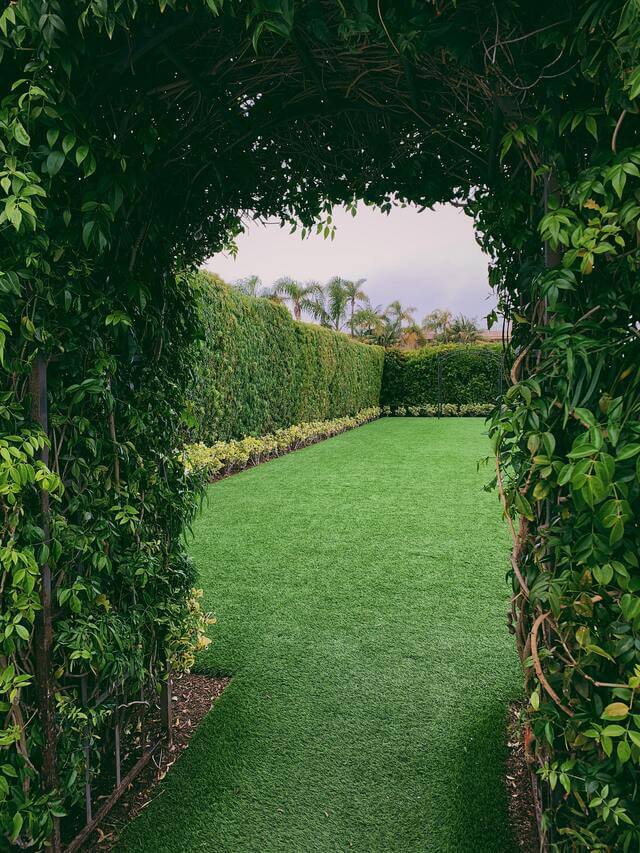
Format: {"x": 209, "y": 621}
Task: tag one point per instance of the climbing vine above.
{"x": 135, "y": 135}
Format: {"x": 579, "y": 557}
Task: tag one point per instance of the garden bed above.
{"x": 522, "y": 813}
{"x": 193, "y": 696}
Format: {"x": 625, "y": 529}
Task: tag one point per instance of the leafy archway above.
{"x": 134, "y": 134}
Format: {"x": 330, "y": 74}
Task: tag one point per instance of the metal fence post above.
{"x": 166, "y": 711}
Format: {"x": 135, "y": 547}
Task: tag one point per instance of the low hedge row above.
{"x": 259, "y": 370}
{"x": 229, "y": 457}
{"x": 459, "y": 374}
{"x": 446, "y": 410}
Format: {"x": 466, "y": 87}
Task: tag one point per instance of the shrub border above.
{"x": 446, "y": 410}
{"x": 231, "y": 457}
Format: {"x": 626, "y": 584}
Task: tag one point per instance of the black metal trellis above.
{"x": 127, "y": 715}
{"x": 439, "y": 363}
{"x": 442, "y": 357}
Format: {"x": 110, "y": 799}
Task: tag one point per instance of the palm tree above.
{"x": 438, "y": 322}
{"x": 377, "y": 326}
{"x": 412, "y": 337}
{"x": 354, "y": 293}
{"x": 368, "y": 323}
{"x": 399, "y": 315}
{"x": 307, "y": 297}
{"x": 336, "y": 303}
{"x": 465, "y": 330}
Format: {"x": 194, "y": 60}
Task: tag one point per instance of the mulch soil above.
{"x": 192, "y": 698}
{"x": 522, "y": 814}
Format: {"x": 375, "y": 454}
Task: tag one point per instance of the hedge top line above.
{"x": 259, "y": 301}
{"x": 259, "y": 369}
{"x": 433, "y": 350}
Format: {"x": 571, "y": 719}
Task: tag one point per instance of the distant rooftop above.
{"x": 487, "y": 335}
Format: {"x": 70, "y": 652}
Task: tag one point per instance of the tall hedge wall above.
{"x": 260, "y": 370}
{"x": 468, "y": 374}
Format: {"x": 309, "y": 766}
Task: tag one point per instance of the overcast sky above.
{"x": 426, "y": 260}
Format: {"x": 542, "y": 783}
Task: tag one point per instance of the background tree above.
{"x": 335, "y": 305}
{"x": 397, "y": 313}
{"x": 250, "y": 285}
{"x": 384, "y": 327}
{"x": 301, "y": 298}
{"x": 396, "y": 319}
{"x": 368, "y": 324}
{"x": 412, "y": 337}
{"x": 354, "y": 293}
{"x": 464, "y": 330}
{"x": 438, "y": 323}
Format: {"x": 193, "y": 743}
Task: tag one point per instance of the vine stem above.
{"x": 614, "y": 138}
{"x": 516, "y": 538}
{"x": 538, "y": 666}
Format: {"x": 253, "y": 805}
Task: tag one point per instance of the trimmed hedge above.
{"x": 469, "y": 374}
{"x": 260, "y": 370}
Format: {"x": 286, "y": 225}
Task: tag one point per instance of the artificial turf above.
{"x": 359, "y": 586}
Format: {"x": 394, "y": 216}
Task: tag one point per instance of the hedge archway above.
{"x": 134, "y": 134}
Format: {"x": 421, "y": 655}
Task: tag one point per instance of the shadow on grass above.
{"x": 477, "y": 779}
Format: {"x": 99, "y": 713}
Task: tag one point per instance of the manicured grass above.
{"x": 360, "y": 592}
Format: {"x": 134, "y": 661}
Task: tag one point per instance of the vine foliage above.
{"x": 135, "y": 134}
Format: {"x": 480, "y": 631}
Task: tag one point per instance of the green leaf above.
{"x": 603, "y": 574}
{"x": 619, "y": 180}
{"x": 615, "y": 711}
{"x": 614, "y": 731}
{"x": 523, "y": 506}
{"x": 627, "y": 451}
{"x": 635, "y": 737}
{"x": 623, "y": 751}
{"x": 20, "y": 134}
{"x": 68, "y": 142}
{"x": 630, "y": 606}
{"x": 54, "y": 163}
{"x": 87, "y": 231}
{"x": 634, "y": 84}
{"x": 22, "y": 632}
{"x": 81, "y": 153}
{"x": 582, "y": 451}
{"x": 16, "y": 826}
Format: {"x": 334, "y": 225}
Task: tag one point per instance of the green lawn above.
{"x": 360, "y": 591}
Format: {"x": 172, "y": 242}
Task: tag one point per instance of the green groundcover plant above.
{"x": 446, "y": 410}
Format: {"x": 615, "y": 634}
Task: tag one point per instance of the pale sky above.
{"x": 426, "y": 260}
